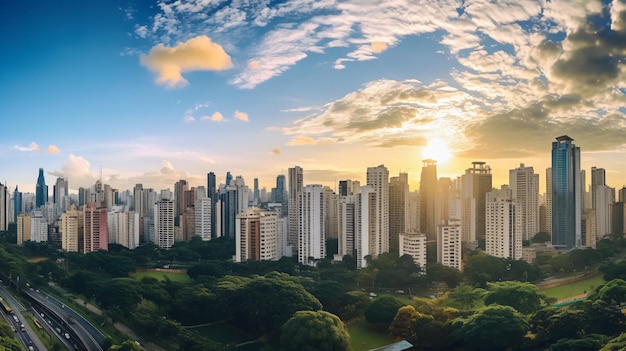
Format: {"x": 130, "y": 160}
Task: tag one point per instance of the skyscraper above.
{"x": 602, "y": 200}
{"x": 524, "y": 185}
{"x": 41, "y": 190}
{"x": 398, "y": 209}
{"x": 256, "y": 200}
{"x": 311, "y": 235}
{"x": 296, "y": 181}
{"x": 280, "y": 195}
{"x": 257, "y": 235}
{"x": 566, "y": 194}
{"x": 503, "y": 225}
{"x": 449, "y": 243}
{"x": 180, "y": 191}
{"x": 428, "y": 199}
{"x": 4, "y": 207}
{"x": 476, "y": 183}
{"x": 212, "y": 194}
{"x": 378, "y": 180}
{"x": 95, "y": 223}
{"x": 17, "y": 203}
{"x": 164, "y": 223}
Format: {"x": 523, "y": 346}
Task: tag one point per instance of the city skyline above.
{"x": 156, "y": 92}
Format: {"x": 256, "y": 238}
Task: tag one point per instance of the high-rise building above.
{"x": 524, "y": 185}
{"x": 212, "y": 194}
{"x": 366, "y": 232}
{"x": 449, "y": 243}
{"x": 4, "y": 207}
{"x": 38, "y": 227}
{"x": 203, "y": 218}
{"x": 428, "y": 199}
{"x": 566, "y": 194}
{"x": 589, "y": 232}
{"x": 378, "y": 180}
{"x": 229, "y": 208}
{"x": 296, "y": 182}
{"x": 311, "y": 237}
{"x": 549, "y": 200}
{"x": 71, "y": 229}
{"x": 503, "y": 225}
{"x": 398, "y": 209}
{"x": 475, "y": 184}
{"x": 257, "y": 235}
{"x": 256, "y": 200}
{"x": 180, "y": 190}
{"x": 164, "y": 223}
{"x": 330, "y": 213}
{"x": 41, "y": 190}
{"x": 347, "y": 219}
{"x": 280, "y": 194}
{"x": 602, "y": 201}
{"x": 23, "y": 228}
{"x": 95, "y": 224}
{"x": 17, "y": 203}
{"x": 229, "y": 178}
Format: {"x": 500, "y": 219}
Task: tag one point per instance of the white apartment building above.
{"x": 503, "y": 225}
{"x": 202, "y": 210}
{"x": 449, "y": 243}
{"x": 311, "y": 235}
{"x": 378, "y": 180}
{"x": 71, "y": 225}
{"x": 38, "y": 227}
{"x": 414, "y": 244}
{"x": 524, "y": 185}
{"x": 164, "y": 223}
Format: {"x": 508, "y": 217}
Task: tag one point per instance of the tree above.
{"x": 591, "y": 342}
{"x": 402, "y": 326}
{"x": 383, "y": 310}
{"x": 123, "y": 293}
{"x": 265, "y": 303}
{"x": 541, "y": 237}
{"x": 436, "y": 272}
{"x": 491, "y": 328}
{"x": 315, "y": 331}
{"x": 482, "y": 268}
{"x": 616, "y": 344}
{"x": 466, "y": 295}
{"x": 128, "y": 345}
{"x": 613, "y": 292}
{"x": 524, "y": 297}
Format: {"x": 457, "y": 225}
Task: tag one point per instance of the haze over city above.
{"x": 154, "y": 92}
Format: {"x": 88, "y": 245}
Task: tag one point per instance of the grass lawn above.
{"x": 224, "y": 333}
{"x": 175, "y": 277}
{"x": 577, "y": 288}
{"x": 365, "y": 336}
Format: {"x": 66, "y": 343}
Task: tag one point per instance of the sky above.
{"x": 156, "y": 91}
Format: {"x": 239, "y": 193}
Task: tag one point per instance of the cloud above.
{"x": 33, "y": 147}
{"x": 215, "y": 117}
{"x": 196, "y": 54}
{"x": 302, "y": 140}
{"x": 378, "y": 46}
{"x": 189, "y": 119}
{"x": 276, "y": 151}
{"x": 77, "y": 171}
{"x": 242, "y": 116}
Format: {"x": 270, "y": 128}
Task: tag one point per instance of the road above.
{"x": 27, "y": 336}
{"x": 75, "y": 325}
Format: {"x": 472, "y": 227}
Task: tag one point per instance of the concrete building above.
{"x": 524, "y": 185}
{"x": 311, "y": 235}
{"x": 38, "y": 227}
{"x": 399, "y": 221}
{"x": 475, "y": 184}
{"x": 330, "y": 213}
{"x": 257, "y": 235}
{"x": 296, "y": 179}
{"x": 203, "y": 218}
{"x": 566, "y": 194}
{"x": 378, "y": 180}
{"x": 414, "y": 244}
{"x": 428, "y": 199}
{"x": 602, "y": 201}
{"x": 23, "y": 228}
{"x": 71, "y": 229}
{"x": 503, "y": 225}
{"x": 449, "y": 244}
{"x": 4, "y": 207}
{"x": 164, "y": 224}
{"x": 95, "y": 224}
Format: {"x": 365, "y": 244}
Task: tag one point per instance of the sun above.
{"x": 436, "y": 149}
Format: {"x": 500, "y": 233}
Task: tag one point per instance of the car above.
{"x": 30, "y": 348}
{"x": 58, "y": 330}
{"x": 67, "y": 336}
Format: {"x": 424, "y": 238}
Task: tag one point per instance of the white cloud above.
{"x": 215, "y": 117}
{"x": 189, "y": 119}
{"x": 197, "y": 54}
{"x": 242, "y": 116}
{"x": 33, "y": 147}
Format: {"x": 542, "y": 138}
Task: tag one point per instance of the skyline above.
{"x": 154, "y": 93}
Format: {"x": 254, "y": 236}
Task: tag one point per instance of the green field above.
{"x": 574, "y": 289}
{"x": 175, "y": 277}
{"x": 365, "y": 336}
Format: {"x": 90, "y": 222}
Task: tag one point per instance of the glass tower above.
{"x": 41, "y": 191}
{"x": 566, "y": 194}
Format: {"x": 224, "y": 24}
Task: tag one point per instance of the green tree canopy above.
{"x": 494, "y": 327}
{"x": 267, "y": 302}
{"x": 616, "y": 344}
{"x": 466, "y": 295}
{"x": 524, "y": 297}
{"x": 383, "y": 310}
{"x": 128, "y": 345}
{"x": 613, "y": 292}
{"x": 482, "y": 268}
{"x": 403, "y": 324}
{"x": 315, "y": 331}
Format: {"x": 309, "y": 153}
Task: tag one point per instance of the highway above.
{"x": 26, "y": 336}
{"x": 83, "y": 333}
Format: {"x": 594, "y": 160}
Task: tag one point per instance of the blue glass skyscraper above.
{"x": 566, "y": 194}
{"x": 17, "y": 203}
{"x": 41, "y": 190}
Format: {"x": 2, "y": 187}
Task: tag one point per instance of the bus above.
{"x": 39, "y": 326}
{"x": 5, "y": 306}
